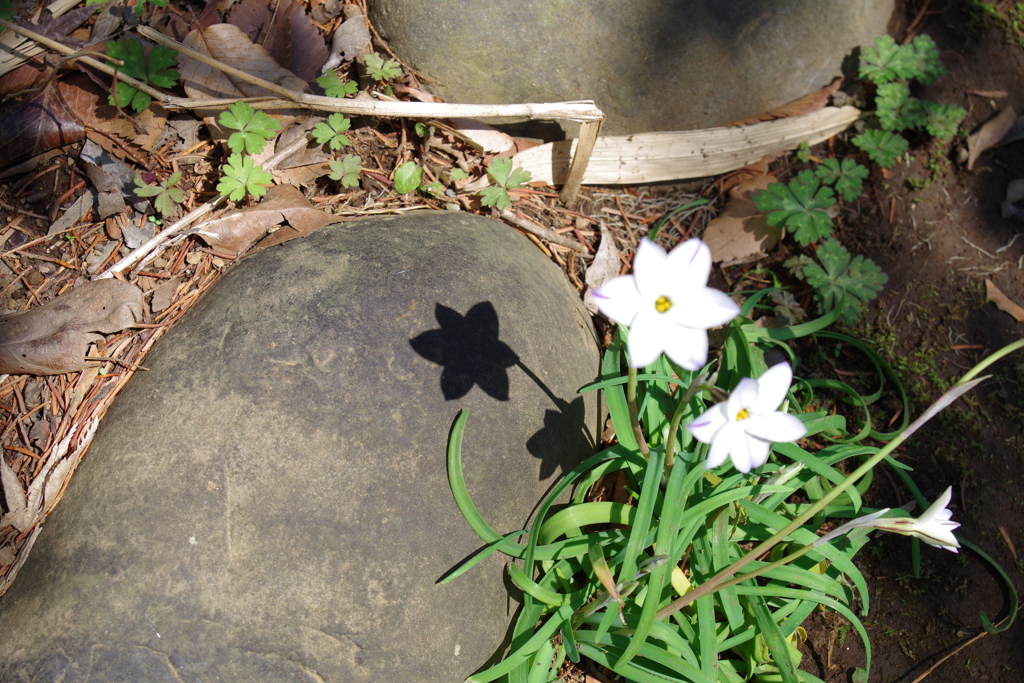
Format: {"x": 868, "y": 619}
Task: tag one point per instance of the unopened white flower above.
{"x": 667, "y": 304}
{"x": 744, "y": 426}
{"x": 934, "y": 527}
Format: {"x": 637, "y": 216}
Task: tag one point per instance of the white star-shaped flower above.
{"x": 934, "y": 526}
{"x": 744, "y": 426}
{"x": 667, "y": 304}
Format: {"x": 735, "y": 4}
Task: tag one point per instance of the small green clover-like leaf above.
{"x": 408, "y": 177}
{"x": 496, "y": 197}
{"x": 380, "y": 70}
{"x": 166, "y": 194}
{"x": 156, "y": 71}
{"x": 6, "y": 10}
{"x": 140, "y": 9}
{"x": 942, "y": 120}
{"x": 929, "y": 65}
{"x": 254, "y": 128}
{"x": 501, "y": 172}
{"x": 457, "y": 174}
{"x": 859, "y": 278}
{"x": 886, "y": 61}
{"x": 801, "y": 205}
{"x": 434, "y": 189}
{"x": 335, "y": 87}
{"x": 347, "y": 170}
{"x": 803, "y": 152}
{"x": 332, "y": 131}
{"x": 242, "y": 177}
{"x": 423, "y": 130}
{"x": 847, "y": 177}
{"x": 882, "y": 147}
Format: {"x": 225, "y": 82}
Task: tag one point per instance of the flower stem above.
{"x": 670, "y": 446}
{"x": 721, "y": 579}
{"x": 634, "y": 413}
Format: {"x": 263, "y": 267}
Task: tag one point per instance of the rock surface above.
{"x": 649, "y": 64}
{"x": 269, "y": 501}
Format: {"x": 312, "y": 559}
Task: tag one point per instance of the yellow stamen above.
{"x": 662, "y": 304}
{"x": 742, "y": 415}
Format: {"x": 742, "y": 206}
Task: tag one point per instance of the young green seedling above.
{"x": 335, "y": 87}
{"x": 332, "y": 131}
{"x": 166, "y": 195}
{"x": 155, "y": 71}
{"x": 346, "y": 170}
{"x": 847, "y": 177}
{"x": 254, "y": 128}
{"x": 380, "y": 70}
{"x": 859, "y": 278}
{"x": 242, "y": 177}
{"x": 801, "y": 205}
{"x": 501, "y": 172}
{"x": 408, "y": 177}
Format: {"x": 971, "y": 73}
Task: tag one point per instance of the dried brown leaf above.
{"x": 42, "y": 122}
{"x": 989, "y": 135}
{"x": 1003, "y": 302}
{"x": 295, "y": 42}
{"x": 231, "y": 235}
{"x": 53, "y": 338}
{"x": 228, "y": 44}
{"x": 798, "y": 107}
{"x": 350, "y": 40}
{"x": 606, "y": 265}
{"x": 741, "y": 230}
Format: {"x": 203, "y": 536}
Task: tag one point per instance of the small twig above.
{"x": 542, "y": 232}
{"x": 952, "y": 654}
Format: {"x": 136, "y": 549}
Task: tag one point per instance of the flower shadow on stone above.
{"x": 469, "y": 350}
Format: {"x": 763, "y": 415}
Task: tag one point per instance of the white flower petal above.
{"x": 687, "y": 347}
{"x": 742, "y": 397}
{"x": 647, "y": 337}
{"x": 777, "y": 427}
{"x": 773, "y": 386}
{"x": 757, "y": 451}
{"x": 938, "y": 507}
{"x": 705, "y": 426}
{"x": 722, "y": 446}
{"x": 652, "y": 271}
{"x": 619, "y": 299}
{"x": 703, "y": 308}
{"x": 690, "y": 262}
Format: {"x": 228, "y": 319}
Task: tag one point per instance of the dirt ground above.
{"x": 937, "y": 231}
{"x": 933, "y": 227}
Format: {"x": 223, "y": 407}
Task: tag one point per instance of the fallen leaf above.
{"x": 228, "y": 44}
{"x": 741, "y": 230}
{"x": 15, "y": 497}
{"x": 53, "y": 338}
{"x": 295, "y": 42}
{"x": 485, "y": 138}
{"x": 231, "y": 235}
{"x": 163, "y": 295}
{"x": 1003, "y": 302}
{"x": 798, "y": 107}
{"x": 989, "y": 135}
{"x": 350, "y": 40}
{"x": 607, "y": 264}
{"x": 250, "y": 16}
{"x": 42, "y": 122}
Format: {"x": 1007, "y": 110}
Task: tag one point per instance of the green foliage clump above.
{"x": 254, "y": 128}
{"x": 858, "y": 278}
{"x": 847, "y": 177}
{"x": 165, "y": 194}
{"x": 6, "y": 10}
{"x": 408, "y": 177}
{"x": 156, "y": 71}
{"x": 801, "y": 205}
{"x": 506, "y": 178}
{"x": 892, "y": 68}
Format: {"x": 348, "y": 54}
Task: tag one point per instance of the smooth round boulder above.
{"x": 269, "y": 501}
{"x": 648, "y": 64}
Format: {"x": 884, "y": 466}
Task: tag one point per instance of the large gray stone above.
{"x": 649, "y": 64}
{"x": 269, "y": 501}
